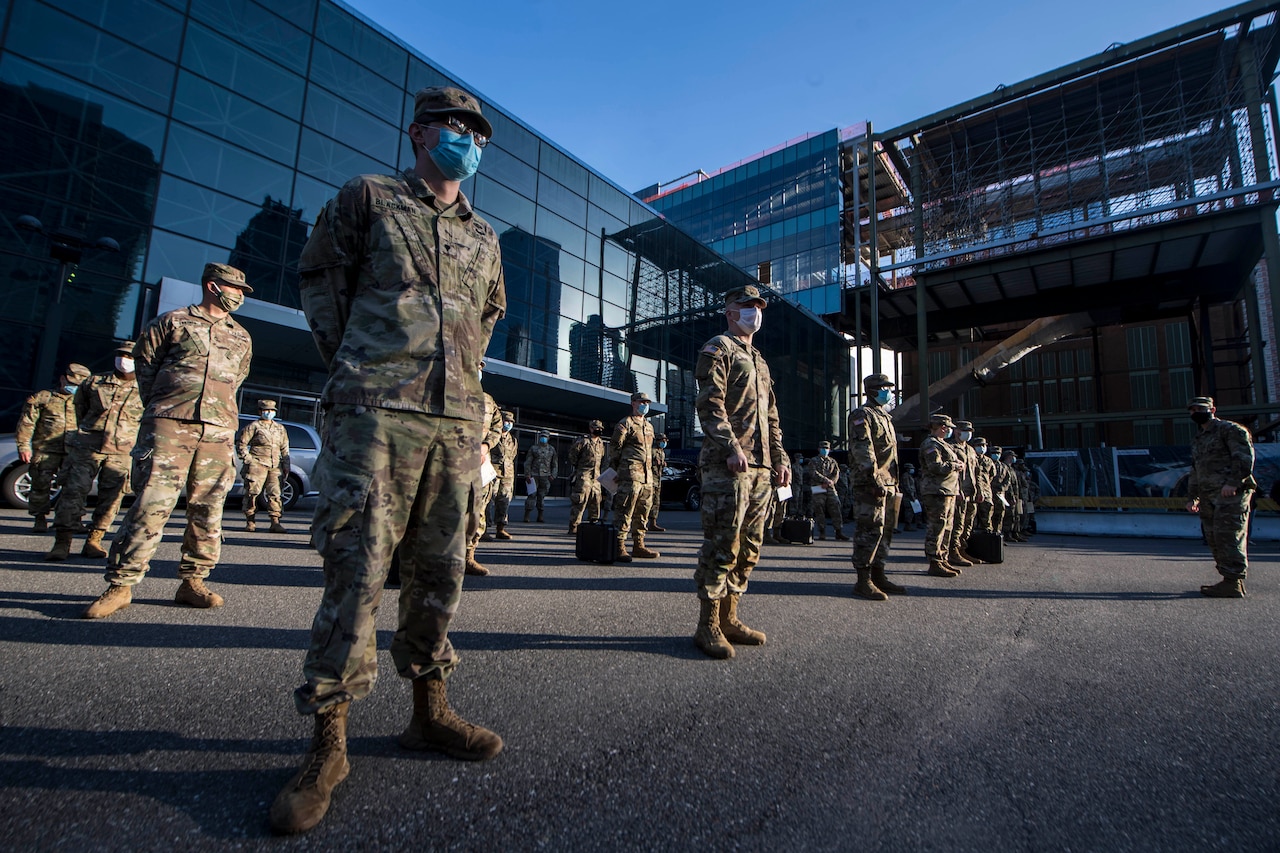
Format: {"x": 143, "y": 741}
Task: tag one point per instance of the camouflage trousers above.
{"x": 998, "y": 511}
{"x": 962, "y": 523}
{"x": 827, "y": 506}
{"x": 631, "y": 504}
{"x": 874, "y": 518}
{"x": 939, "y": 513}
{"x": 982, "y": 517}
{"x": 1225, "y": 525}
{"x": 501, "y": 502}
{"x": 584, "y": 497}
{"x": 777, "y": 512}
{"x": 259, "y": 479}
{"x": 388, "y": 479}
{"x": 173, "y": 458}
{"x": 478, "y": 524}
{"x": 84, "y": 466}
{"x": 43, "y": 469}
{"x": 655, "y": 502}
{"x": 537, "y": 498}
{"x": 734, "y": 507}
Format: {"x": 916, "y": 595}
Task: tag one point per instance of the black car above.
{"x": 681, "y": 484}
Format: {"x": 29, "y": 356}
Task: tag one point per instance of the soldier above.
{"x": 47, "y": 418}
{"x": 541, "y": 466}
{"x": 263, "y": 447}
{"x": 966, "y": 504}
{"x": 940, "y": 469}
{"x": 1024, "y": 492}
{"x": 983, "y": 476}
{"x": 630, "y": 455}
{"x": 1033, "y": 497}
{"x": 190, "y": 363}
{"x": 403, "y": 340}
{"x": 873, "y": 450}
{"x": 824, "y": 473}
{"x": 1013, "y": 494}
{"x": 475, "y": 523}
{"x": 802, "y": 500}
{"x": 584, "y": 488}
{"x": 742, "y": 460}
{"x": 503, "y": 457}
{"x": 1220, "y": 488}
{"x": 844, "y": 490}
{"x": 910, "y": 495}
{"x": 108, "y": 410}
{"x": 658, "y": 465}
{"x": 999, "y": 487}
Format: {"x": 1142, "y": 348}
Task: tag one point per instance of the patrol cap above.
{"x": 910, "y": 469}
{"x": 744, "y": 296}
{"x": 980, "y": 440}
{"x": 1007, "y": 455}
{"x": 508, "y": 416}
{"x": 126, "y": 348}
{"x": 964, "y": 425}
{"x": 1197, "y": 402}
{"x": 227, "y": 275}
{"x": 436, "y": 101}
{"x": 996, "y": 450}
{"x": 78, "y": 372}
{"x": 826, "y": 444}
{"x": 543, "y": 432}
{"x": 640, "y": 397}
{"x": 266, "y": 405}
{"x": 940, "y": 420}
{"x": 596, "y": 425}
{"x": 877, "y": 380}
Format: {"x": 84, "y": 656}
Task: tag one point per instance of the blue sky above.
{"x": 645, "y": 92}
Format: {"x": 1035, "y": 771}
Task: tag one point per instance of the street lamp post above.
{"x": 66, "y": 246}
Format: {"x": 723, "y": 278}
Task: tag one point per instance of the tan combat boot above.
{"x": 708, "y": 636}
{"x": 193, "y": 592}
{"x": 61, "y": 546}
{"x": 302, "y": 803}
{"x": 41, "y": 524}
{"x": 734, "y": 630}
{"x": 884, "y": 584}
{"x": 642, "y": 552}
{"x": 473, "y": 567}
{"x": 436, "y": 727}
{"x": 938, "y": 569}
{"x": 840, "y": 534}
{"x": 502, "y": 532}
{"x": 623, "y": 556}
{"x": 250, "y": 525}
{"x": 528, "y": 511}
{"x": 866, "y": 589}
{"x": 93, "y": 545}
{"x": 115, "y": 598}
{"x": 573, "y": 528}
{"x": 1225, "y": 588}
{"x": 541, "y": 520}
{"x": 655, "y": 528}
{"x": 954, "y": 559}
{"x": 276, "y": 526}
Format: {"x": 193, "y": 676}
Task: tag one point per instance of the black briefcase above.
{"x": 798, "y": 531}
{"x": 596, "y": 543}
{"x": 987, "y": 547}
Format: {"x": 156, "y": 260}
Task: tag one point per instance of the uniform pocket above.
{"x": 340, "y": 482}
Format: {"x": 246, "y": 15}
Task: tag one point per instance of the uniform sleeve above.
{"x": 493, "y": 434}
{"x": 243, "y": 373}
{"x": 27, "y": 423}
{"x": 242, "y": 440}
{"x": 148, "y": 356}
{"x": 777, "y": 453}
{"x": 1240, "y": 446}
{"x": 528, "y": 462}
{"x": 615, "y": 446}
{"x": 495, "y": 303}
{"x": 329, "y": 266}
{"x": 933, "y": 460}
{"x": 712, "y": 374}
{"x": 82, "y": 400}
{"x": 862, "y": 458}
{"x": 284, "y": 447}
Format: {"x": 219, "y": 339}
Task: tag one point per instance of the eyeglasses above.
{"x": 458, "y": 126}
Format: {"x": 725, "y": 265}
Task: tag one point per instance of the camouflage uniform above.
{"x": 263, "y": 445}
{"x": 540, "y": 464}
{"x": 844, "y": 489}
{"x": 47, "y": 418}
{"x": 984, "y": 473}
{"x": 1000, "y": 476}
{"x": 873, "y": 457}
{"x": 939, "y": 485}
{"x": 402, "y": 295}
{"x": 503, "y": 457}
{"x": 584, "y": 489}
{"x": 476, "y": 525}
{"x": 966, "y": 502}
{"x": 189, "y": 366}
{"x": 910, "y": 493}
{"x": 1013, "y": 493}
{"x": 659, "y": 462}
{"x": 739, "y": 413}
{"x": 109, "y": 410}
{"x": 1222, "y": 456}
{"x": 630, "y": 453}
{"x": 824, "y": 472}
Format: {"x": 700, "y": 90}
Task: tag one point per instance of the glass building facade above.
{"x": 191, "y": 131}
{"x": 776, "y": 215}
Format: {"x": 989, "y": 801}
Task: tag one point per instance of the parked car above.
{"x": 682, "y": 484}
{"x": 304, "y": 447}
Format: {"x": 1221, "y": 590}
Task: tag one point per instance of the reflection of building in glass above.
{"x": 261, "y": 248}
{"x": 531, "y": 323}
{"x": 595, "y": 355}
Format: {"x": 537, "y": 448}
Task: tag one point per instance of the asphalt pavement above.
{"x": 1081, "y": 696}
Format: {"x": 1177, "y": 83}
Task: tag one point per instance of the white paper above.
{"x": 784, "y": 493}
{"x": 1003, "y": 499}
{"x": 916, "y": 507}
{"x": 530, "y": 486}
{"x": 487, "y": 473}
{"x": 608, "y": 480}
{"x": 818, "y": 490}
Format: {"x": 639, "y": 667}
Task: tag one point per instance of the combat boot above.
{"x": 964, "y": 552}
{"x": 954, "y": 559}
{"x": 473, "y": 567}
{"x": 528, "y": 511}
{"x": 303, "y": 801}
{"x": 951, "y": 567}
{"x": 939, "y": 569}
{"x": 41, "y": 524}
{"x": 708, "y": 636}
{"x": 769, "y": 538}
{"x": 194, "y": 593}
{"x": 641, "y": 551}
{"x": 623, "y": 556}
{"x": 250, "y": 525}
{"x": 115, "y": 598}
{"x": 502, "y": 532}
{"x": 1225, "y": 588}
{"x": 61, "y": 546}
{"x": 840, "y": 534}
{"x": 436, "y": 727}
{"x": 656, "y": 528}
{"x": 732, "y": 628}
{"x": 822, "y": 532}
{"x": 866, "y": 588}
{"x": 541, "y": 520}
{"x": 93, "y": 545}
{"x": 276, "y": 526}
{"x": 884, "y": 584}
{"x": 573, "y": 528}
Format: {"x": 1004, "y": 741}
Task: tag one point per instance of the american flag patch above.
{"x": 859, "y": 421}
{"x": 711, "y": 349}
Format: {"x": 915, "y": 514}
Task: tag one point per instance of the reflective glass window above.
{"x": 559, "y": 166}
{"x": 357, "y": 84}
{"x": 362, "y": 42}
{"x": 561, "y": 200}
{"x": 608, "y": 197}
{"x": 202, "y": 213}
{"x": 243, "y": 72}
{"x": 422, "y": 75}
{"x": 300, "y": 12}
{"x": 310, "y": 196}
{"x": 355, "y": 128}
{"x": 251, "y": 25}
{"x": 511, "y": 137}
{"x": 86, "y": 53}
{"x": 197, "y": 157}
{"x": 598, "y": 220}
{"x": 515, "y": 173}
{"x": 180, "y": 257}
{"x": 571, "y": 269}
{"x": 560, "y": 232}
{"x": 321, "y": 157}
{"x": 140, "y": 22}
{"x": 493, "y": 198}
{"x": 228, "y": 116}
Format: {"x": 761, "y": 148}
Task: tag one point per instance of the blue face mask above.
{"x": 506, "y": 427}
{"x": 824, "y": 452}
{"x": 643, "y": 408}
{"x": 71, "y": 389}
{"x": 542, "y": 439}
{"x": 456, "y": 155}
{"x": 882, "y": 396}
{"x": 662, "y": 444}
{"x": 982, "y": 451}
